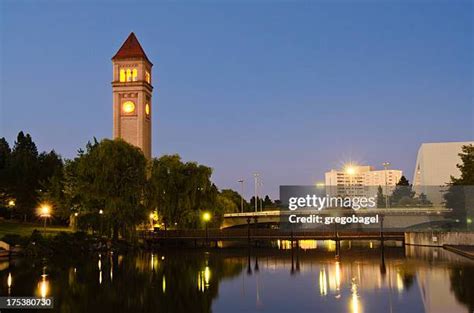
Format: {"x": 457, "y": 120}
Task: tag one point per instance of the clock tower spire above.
{"x": 132, "y": 93}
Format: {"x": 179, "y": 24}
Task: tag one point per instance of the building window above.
{"x": 147, "y": 110}
{"x": 148, "y": 77}
{"x": 129, "y": 74}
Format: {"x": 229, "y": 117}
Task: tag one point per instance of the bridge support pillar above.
{"x": 248, "y": 230}
{"x": 381, "y": 231}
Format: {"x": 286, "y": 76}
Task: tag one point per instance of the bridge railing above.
{"x": 218, "y": 234}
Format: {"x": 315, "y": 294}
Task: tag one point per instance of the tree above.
{"x": 180, "y": 192}
{"x": 403, "y": 193}
{"x": 380, "y": 198}
{"x": 267, "y": 202}
{"x": 50, "y": 164}
{"x": 460, "y": 193}
{"x": 223, "y": 205}
{"x": 423, "y": 200}
{"x": 24, "y": 175}
{"x": 252, "y": 204}
{"x": 110, "y": 176}
{"x": 5, "y": 154}
{"x": 235, "y": 197}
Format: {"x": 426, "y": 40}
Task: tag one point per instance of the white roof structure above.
{"x": 435, "y": 164}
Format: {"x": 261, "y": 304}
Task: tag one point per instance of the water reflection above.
{"x": 43, "y": 285}
{"x": 323, "y": 282}
{"x": 355, "y": 302}
{"x": 364, "y": 278}
{"x": 9, "y": 282}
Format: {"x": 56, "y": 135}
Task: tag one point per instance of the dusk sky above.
{"x": 288, "y": 89}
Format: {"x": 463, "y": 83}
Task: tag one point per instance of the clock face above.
{"x": 128, "y": 107}
{"x": 147, "y": 109}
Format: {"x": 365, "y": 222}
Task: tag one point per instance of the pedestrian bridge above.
{"x": 393, "y": 218}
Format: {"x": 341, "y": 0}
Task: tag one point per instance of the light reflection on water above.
{"x": 310, "y": 277}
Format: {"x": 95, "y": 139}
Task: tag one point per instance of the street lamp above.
{"x": 350, "y": 170}
{"x": 101, "y": 212}
{"x": 152, "y": 218}
{"x": 256, "y": 175}
{"x": 11, "y": 203}
{"x": 45, "y": 212}
{"x": 385, "y": 166}
{"x": 241, "y": 181}
{"x": 206, "y": 217}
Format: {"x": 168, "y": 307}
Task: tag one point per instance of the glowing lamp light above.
{"x": 45, "y": 210}
{"x": 206, "y": 216}
{"x": 350, "y": 170}
{"x": 101, "y": 212}
{"x": 11, "y": 203}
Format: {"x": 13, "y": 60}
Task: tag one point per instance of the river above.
{"x": 362, "y": 278}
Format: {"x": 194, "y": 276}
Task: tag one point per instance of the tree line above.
{"x": 110, "y": 187}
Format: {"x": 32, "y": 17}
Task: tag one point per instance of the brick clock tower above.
{"x": 132, "y": 90}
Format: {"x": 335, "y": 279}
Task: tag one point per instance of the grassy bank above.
{"x": 9, "y": 227}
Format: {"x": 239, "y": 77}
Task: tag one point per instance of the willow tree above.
{"x": 180, "y": 191}
{"x": 110, "y": 176}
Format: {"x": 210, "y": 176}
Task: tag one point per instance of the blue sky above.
{"x": 288, "y": 89}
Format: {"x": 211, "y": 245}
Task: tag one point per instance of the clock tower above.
{"x": 132, "y": 91}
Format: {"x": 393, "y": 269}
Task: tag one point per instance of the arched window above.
{"x": 148, "y": 77}
{"x": 122, "y": 75}
{"x": 129, "y": 75}
{"x": 147, "y": 109}
{"x": 134, "y": 74}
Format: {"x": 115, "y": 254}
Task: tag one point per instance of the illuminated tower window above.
{"x": 129, "y": 75}
{"x": 134, "y": 74}
{"x": 148, "y": 77}
{"x": 122, "y": 75}
{"x": 147, "y": 110}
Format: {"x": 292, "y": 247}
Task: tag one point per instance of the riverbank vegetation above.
{"x": 110, "y": 189}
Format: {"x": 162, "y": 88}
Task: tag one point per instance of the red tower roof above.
{"x": 131, "y": 49}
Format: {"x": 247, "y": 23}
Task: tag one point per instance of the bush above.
{"x": 14, "y": 239}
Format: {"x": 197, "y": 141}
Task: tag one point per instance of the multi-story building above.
{"x": 361, "y": 180}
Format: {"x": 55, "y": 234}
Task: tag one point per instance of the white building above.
{"x": 435, "y": 164}
{"x": 361, "y": 180}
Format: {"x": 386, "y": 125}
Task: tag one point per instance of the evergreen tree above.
{"x": 5, "y": 154}
{"x": 403, "y": 193}
{"x": 460, "y": 195}
{"x": 24, "y": 175}
{"x": 380, "y": 198}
